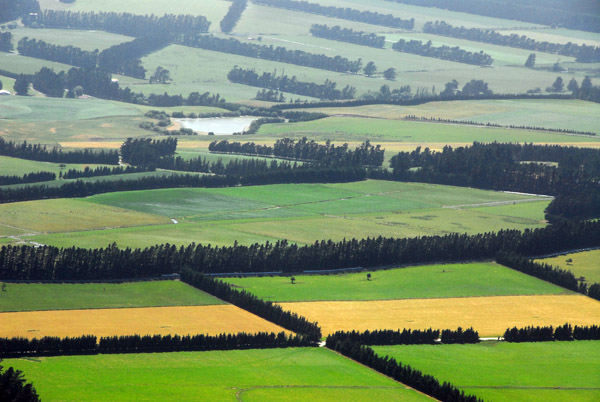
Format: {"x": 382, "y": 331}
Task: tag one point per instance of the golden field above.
{"x": 488, "y": 315}
{"x": 212, "y": 320}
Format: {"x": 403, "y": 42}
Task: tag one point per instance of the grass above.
{"x": 585, "y": 264}
{"x": 18, "y": 167}
{"x": 301, "y": 213}
{"x": 491, "y": 316}
{"x": 86, "y": 40}
{"x": 293, "y": 375}
{"x": 430, "y": 281}
{"x": 548, "y": 371}
{"x": 210, "y": 319}
{"x": 68, "y": 296}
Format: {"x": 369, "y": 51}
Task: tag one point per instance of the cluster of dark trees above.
{"x": 48, "y": 346}
{"x": 279, "y": 53}
{"x": 124, "y": 58}
{"x": 347, "y": 35}
{"x": 51, "y": 263}
{"x": 307, "y": 150}
{"x": 256, "y": 124}
{"x": 157, "y": 128}
{"x": 477, "y": 123}
{"x": 270, "y": 95}
{"x": 496, "y": 166}
{"x": 145, "y": 151}
{"x": 443, "y": 52}
{"x": 368, "y": 17}
{"x": 103, "y": 171}
{"x": 587, "y": 91}
{"x": 13, "y": 386}
{"x": 575, "y": 15}
{"x": 13, "y": 9}
{"x": 296, "y": 116}
{"x": 564, "y": 332}
{"x": 27, "y": 178}
{"x": 169, "y": 26}
{"x": 62, "y": 54}
{"x": 37, "y": 152}
{"x": 583, "y": 53}
{"x": 235, "y": 173}
{"x": 247, "y": 301}
{"x": 468, "y": 335}
{"x": 234, "y": 14}
{"x": 473, "y": 88}
{"x": 282, "y": 82}
{"x": 546, "y": 272}
{"x": 6, "y": 42}
{"x": 403, "y": 373}
{"x": 89, "y": 345}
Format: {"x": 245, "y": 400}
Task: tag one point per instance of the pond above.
{"x": 218, "y": 125}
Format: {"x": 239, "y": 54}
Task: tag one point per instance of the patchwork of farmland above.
{"x": 586, "y": 264}
{"x": 546, "y": 371}
{"x": 247, "y": 375}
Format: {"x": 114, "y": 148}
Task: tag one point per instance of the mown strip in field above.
{"x": 545, "y": 371}
{"x": 295, "y": 374}
{"x": 489, "y": 315}
{"x": 69, "y": 296}
{"x": 430, "y": 281}
{"x": 183, "y": 320}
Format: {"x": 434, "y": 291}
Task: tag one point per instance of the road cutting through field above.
{"x": 212, "y": 320}
{"x": 491, "y": 316}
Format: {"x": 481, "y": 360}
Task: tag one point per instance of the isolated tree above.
{"x": 556, "y": 67}
{"x": 370, "y": 69}
{"x": 293, "y": 280}
{"x": 78, "y": 91}
{"x": 21, "y": 85}
{"x": 369, "y": 276}
{"x": 573, "y": 86}
{"x": 0, "y": 84}
{"x": 450, "y": 89}
{"x": 530, "y": 63}
{"x": 476, "y": 87}
{"x": 558, "y": 85}
{"x": 390, "y": 74}
{"x": 161, "y": 75}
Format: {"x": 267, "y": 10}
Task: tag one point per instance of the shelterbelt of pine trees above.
{"x": 564, "y": 332}
{"x": 405, "y": 337}
{"x": 52, "y": 263}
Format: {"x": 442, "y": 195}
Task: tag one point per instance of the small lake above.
{"x": 218, "y": 125}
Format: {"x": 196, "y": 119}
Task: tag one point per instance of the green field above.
{"x": 295, "y": 374}
{"x": 429, "y": 281}
{"x": 546, "y": 371}
{"x": 586, "y": 264}
{"x": 86, "y": 40}
{"x": 301, "y": 213}
{"x": 18, "y": 167}
{"x": 69, "y": 296}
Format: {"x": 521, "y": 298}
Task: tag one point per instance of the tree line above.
{"x": 27, "y": 178}
{"x": 103, "y": 171}
{"x": 368, "y": 17}
{"x": 406, "y": 337}
{"x": 347, "y": 35}
{"x": 124, "y": 58}
{"x": 146, "y": 151}
{"x": 412, "y": 117}
{"x": 90, "y": 345}
{"x": 443, "y": 52}
{"x": 169, "y": 26}
{"x": 305, "y": 150}
{"x": 247, "y": 301}
{"x": 13, "y": 386}
{"x": 38, "y": 152}
{"x": 564, "y": 332}
{"x": 587, "y": 91}
{"x": 279, "y": 53}
{"x": 583, "y": 53}
{"x": 284, "y": 83}
{"x": 52, "y": 263}
{"x": 573, "y": 15}
{"x": 546, "y": 272}
{"x": 403, "y": 373}
{"x": 246, "y": 173}
{"x": 6, "y": 42}
{"x": 62, "y": 54}
{"x": 233, "y": 15}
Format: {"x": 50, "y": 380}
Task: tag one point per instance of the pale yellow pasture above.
{"x": 488, "y": 315}
{"x": 181, "y": 320}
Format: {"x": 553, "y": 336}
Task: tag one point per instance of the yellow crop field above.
{"x": 183, "y": 320}
{"x": 489, "y": 315}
